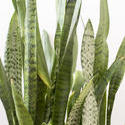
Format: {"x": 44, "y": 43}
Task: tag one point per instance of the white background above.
{"x": 90, "y": 9}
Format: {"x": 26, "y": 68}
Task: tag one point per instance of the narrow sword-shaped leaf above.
{"x": 30, "y": 63}
{"x": 6, "y": 95}
{"x": 101, "y": 49}
{"x": 115, "y": 82}
{"x": 60, "y": 11}
{"x": 66, "y": 27}
{"x": 23, "y": 115}
{"x": 48, "y": 50}
{"x": 13, "y": 54}
{"x": 100, "y": 88}
{"x": 90, "y": 109}
{"x": 63, "y": 85}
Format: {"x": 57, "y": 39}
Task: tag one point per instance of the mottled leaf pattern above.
{"x": 88, "y": 52}
{"x": 77, "y": 86}
{"x": 76, "y": 111}
{"x": 90, "y": 108}
{"x": 13, "y": 54}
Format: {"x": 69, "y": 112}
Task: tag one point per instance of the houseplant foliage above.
{"x": 55, "y": 93}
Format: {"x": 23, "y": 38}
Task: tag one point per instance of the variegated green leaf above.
{"x": 100, "y": 88}
{"x": 66, "y": 27}
{"x": 23, "y": 115}
{"x": 76, "y": 111}
{"x": 41, "y": 101}
{"x": 5, "y": 95}
{"x": 77, "y": 86}
{"x": 115, "y": 82}
{"x": 90, "y": 108}
{"x": 88, "y": 52}
{"x": 65, "y": 69}
{"x": 101, "y": 48}
{"x": 13, "y": 54}
{"x": 30, "y": 63}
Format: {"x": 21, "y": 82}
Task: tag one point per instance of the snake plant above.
{"x": 55, "y": 92}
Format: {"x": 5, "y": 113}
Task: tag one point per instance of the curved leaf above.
{"x": 101, "y": 47}
{"x": 76, "y": 111}
{"x": 23, "y": 116}
{"x": 78, "y": 84}
{"x": 6, "y": 95}
{"x": 115, "y": 82}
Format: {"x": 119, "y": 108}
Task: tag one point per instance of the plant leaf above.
{"x": 60, "y": 10}
{"x": 65, "y": 73}
{"x": 78, "y": 84}
{"x": 100, "y": 88}
{"x": 76, "y": 111}
{"x": 5, "y": 95}
{"x": 115, "y": 82}
{"x": 101, "y": 47}
{"x": 13, "y": 54}
{"x": 30, "y": 65}
{"x": 23, "y": 116}
{"x": 48, "y": 51}
{"x": 88, "y": 52}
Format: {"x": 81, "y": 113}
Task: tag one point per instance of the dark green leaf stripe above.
{"x": 30, "y": 63}
{"x": 63, "y": 86}
{"x": 40, "y": 105}
{"x": 103, "y": 81}
{"x": 101, "y": 48}
{"x": 66, "y": 27}
{"x": 13, "y": 54}
{"x": 5, "y": 95}
{"x": 23, "y": 116}
{"x": 115, "y": 82}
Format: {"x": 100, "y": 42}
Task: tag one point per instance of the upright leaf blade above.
{"x": 23, "y": 116}
{"x": 115, "y": 82}
{"x": 90, "y": 109}
{"x": 13, "y": 54}
{"x": 76, "y": 112}
{"x": 6, "y": 95}
{"x": 101, "y": 48}
{"x": 30, "y": 65}
{"x": 48, "y": 51}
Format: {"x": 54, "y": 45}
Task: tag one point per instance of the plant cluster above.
{"x": 55, "y": 93}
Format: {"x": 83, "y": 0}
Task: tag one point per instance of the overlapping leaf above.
{"x": 115, "y": 82}
{"x": 65, "y": 68}
{"x": 5, "y": 95}
{"x": 23, "y": 115}
{"x": 101, "y": 49}
{"x": 30, "y": 63}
